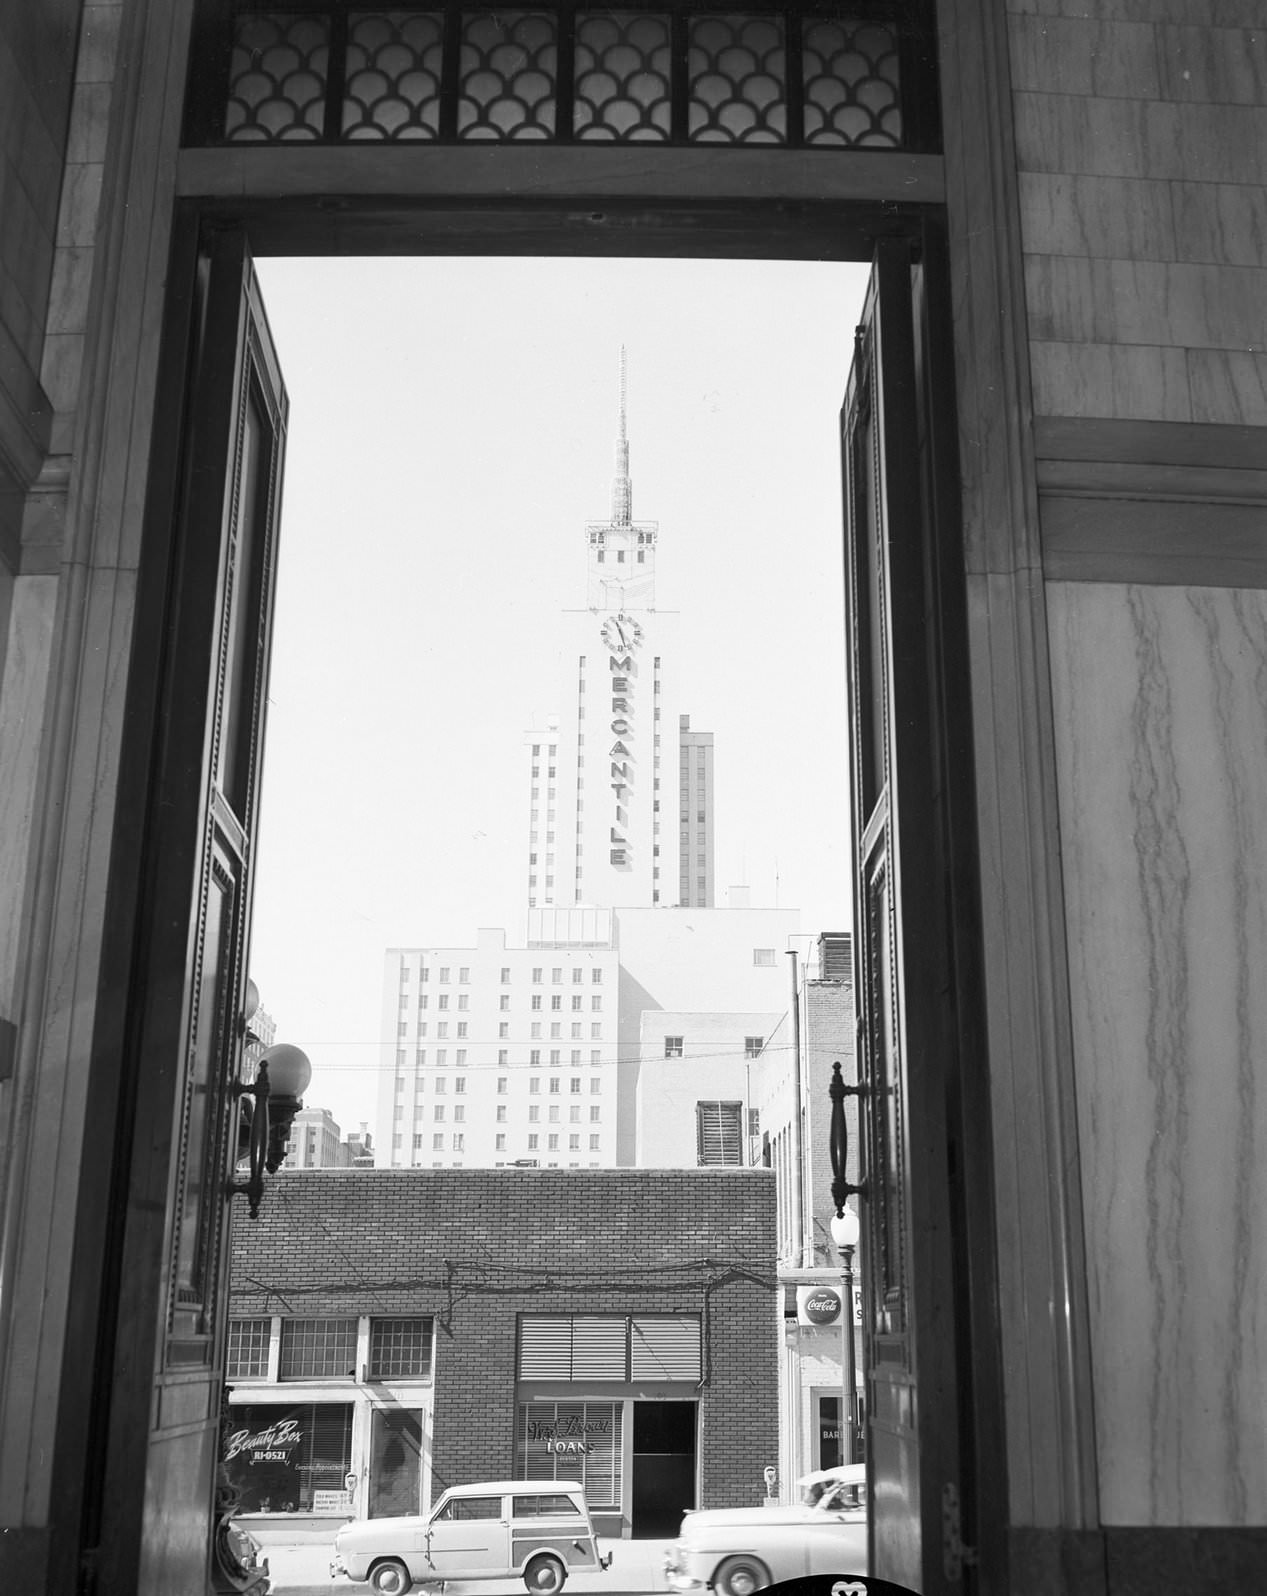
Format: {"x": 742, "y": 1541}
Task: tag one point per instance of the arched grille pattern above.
{"x": 815, "y": 74}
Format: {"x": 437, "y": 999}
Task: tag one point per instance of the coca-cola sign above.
{"x": 818, "y": 1304}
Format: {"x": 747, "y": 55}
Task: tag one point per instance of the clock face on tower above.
{"x": 621, "y": 633}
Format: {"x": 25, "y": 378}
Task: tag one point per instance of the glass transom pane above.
{"x": 247, "y": 1355}
{"x": 317, "y": 1349}
{"x": 400, "y": 1349}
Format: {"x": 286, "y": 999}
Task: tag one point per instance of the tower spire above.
{"x": 622, "y": 487}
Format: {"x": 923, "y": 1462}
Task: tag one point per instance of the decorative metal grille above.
{"x": 508, "y": 73}
{"x": 394, "y": 68}
{"x": 277, "y": 78}
{"x": 807, "y": 73}
{"x": 851, "y": 84}
{"x": 738, "y": 71}
{"x": 623, "y": 77}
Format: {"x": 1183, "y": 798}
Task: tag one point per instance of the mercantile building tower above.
{"x": 496, "y": 1054}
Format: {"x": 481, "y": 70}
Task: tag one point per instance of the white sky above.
{"x": 451, "y": 430}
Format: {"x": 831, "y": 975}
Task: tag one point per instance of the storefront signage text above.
{"x": 273, "y": 1445}
{"x": 622, "y": 671}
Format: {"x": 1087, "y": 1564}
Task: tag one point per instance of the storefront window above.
{"x": 290, "y": 1457}
{"x": 573, "y": 1441}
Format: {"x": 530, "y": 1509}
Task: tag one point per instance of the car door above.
{"x": 469, "y": 1537}
{"x": 836, "y": 1537}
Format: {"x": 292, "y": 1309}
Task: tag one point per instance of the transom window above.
{"x": 247, "y": 1355}
{"x": 789, "y": 76}
{"x": 400, "y": 1349}
{"x": 317, "y": 1349}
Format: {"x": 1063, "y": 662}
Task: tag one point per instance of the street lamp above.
{"x": 276, "y": 1096}
{"x": 844, "y": 1232}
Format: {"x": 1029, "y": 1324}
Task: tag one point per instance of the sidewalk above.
{"x": 302, "y": 1568}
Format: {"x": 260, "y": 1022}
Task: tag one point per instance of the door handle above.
{"x": 838, "y": 1140}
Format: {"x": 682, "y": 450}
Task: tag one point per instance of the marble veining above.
{"x": 1228, "y": 386}
{"x": 25, "y": 676}
{"x": 1160, "y": 698}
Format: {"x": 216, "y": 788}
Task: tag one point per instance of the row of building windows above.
{"x": 439, "y": 1112}
{"x": 464, "y": 977}
{"x": 575, "y": 1083}
{"x": 457, "y": 1142}
{"x": 536, "y": 1002}
{"x": 462, "y": 1032}
{"x": 673, "y": 1046}
{"x": 273, "y": 1348}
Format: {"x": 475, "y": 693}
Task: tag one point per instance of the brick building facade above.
{"x": 619, "y": 1324}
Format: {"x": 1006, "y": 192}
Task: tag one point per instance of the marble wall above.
{"x": 1141, "y": 135}
{"x": 1160, "y": 701}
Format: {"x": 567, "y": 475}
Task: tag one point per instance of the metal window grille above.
{"x": 400, "y": 1349}
{"x": 719, "y": 1132}
{"x": 317, "y": 1349}
{"x": 801, "y": 74}
{"x": 247, "y": 1355}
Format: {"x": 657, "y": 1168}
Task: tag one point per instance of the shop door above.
{"x": 395, "y": 1462}
{"x": 211, "y": 530}
{"x": 663, "y": 1466}
{"x": 899, "y": 592}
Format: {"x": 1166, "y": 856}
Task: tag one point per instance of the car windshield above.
{"x": 833, "y": 1494}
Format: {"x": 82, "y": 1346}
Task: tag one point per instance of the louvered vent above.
{"x": 835, "y": 956}
{"x": 666, "y": 1348}
{"x": 719, "y": 1132}
{"x": 545, "y": 1348}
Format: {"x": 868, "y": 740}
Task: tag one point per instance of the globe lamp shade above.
{"x": 845, "y": 1230}
{"x": 289, "y": 1070}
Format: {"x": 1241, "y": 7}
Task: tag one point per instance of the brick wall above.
{"x": 478, "y": 1247}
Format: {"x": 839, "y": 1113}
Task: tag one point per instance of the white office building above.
{"x": 495, "y": 1055}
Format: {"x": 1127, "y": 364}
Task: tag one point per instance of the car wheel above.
{"x": 544, "y": 1575}
{"x": 740, "y": 1576}
{"x": 390, "y": 1578}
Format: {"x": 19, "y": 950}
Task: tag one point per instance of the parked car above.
{"x": 737, "y": 1550}
{"x": 538, "y": 1530}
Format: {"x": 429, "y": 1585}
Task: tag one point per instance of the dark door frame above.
{"x": 629, "y": 225}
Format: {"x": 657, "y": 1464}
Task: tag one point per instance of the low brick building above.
{"x": 396, "y": 1331}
